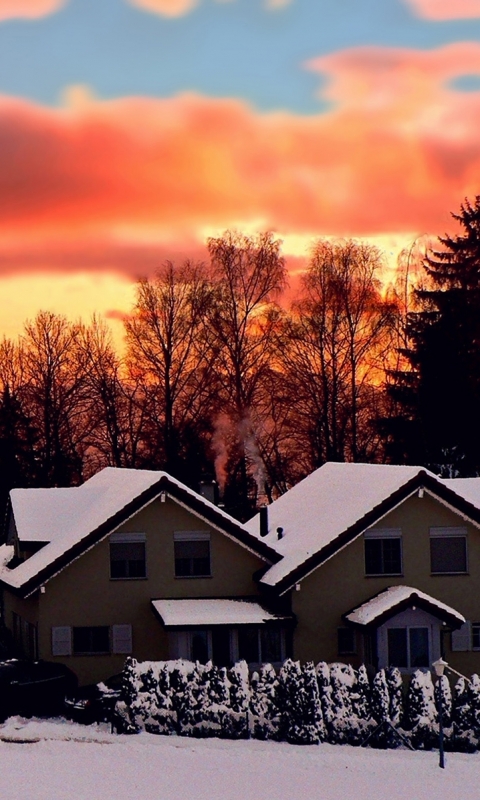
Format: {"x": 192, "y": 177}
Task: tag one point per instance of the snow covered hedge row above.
{"x": 300, "y": 704}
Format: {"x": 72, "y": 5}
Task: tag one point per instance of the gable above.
{"x": 101, "y": 506}
{"x": 331, "y": 503}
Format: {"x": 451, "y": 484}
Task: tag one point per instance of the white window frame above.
{"x": 454, "y": 532}
{"x": 384, "y": 533}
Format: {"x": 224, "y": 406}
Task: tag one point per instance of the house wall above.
{"x": 84, "y": 595}
{"x": 340, "y": 584}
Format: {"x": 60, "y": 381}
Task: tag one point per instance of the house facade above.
{"x": 358, "y": 563}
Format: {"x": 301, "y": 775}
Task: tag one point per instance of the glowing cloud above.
{"x": 10, "y": 9}
{"x": 445, "y": 9}
{"x": 177, "y": 8}
{"x": 120, "y": 185}
{"x": 168, "y": 8}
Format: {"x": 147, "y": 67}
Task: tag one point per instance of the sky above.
{"x": 130, "y": 130}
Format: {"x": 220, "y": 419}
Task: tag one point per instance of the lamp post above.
{"x": 439, "y": 667}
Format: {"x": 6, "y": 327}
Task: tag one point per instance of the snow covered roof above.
{"x": 71, "y": 520}
{"x": 183, "y": 613}
{"x": 339, "y": 501}
{"x": 324, "y": 505}
{"x": 395, "y": 599}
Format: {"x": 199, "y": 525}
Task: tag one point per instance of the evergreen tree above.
{"x": 342, "y": 726}
{"x": 236, "y": 718}
{"x": 326, "y": 695}
{"x": 165, "y": 715}
{"x": 437, "y": 399}
{"x": 264, "y": 704}
{"x": 474, "y": 690}
{"x": 421, "y": 712}
{"x": 462, "y": 715}
{"x": 395, "y": 691}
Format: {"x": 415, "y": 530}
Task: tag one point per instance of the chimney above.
{"x": 263, "y": 520}
{"x": 209, "y": 490}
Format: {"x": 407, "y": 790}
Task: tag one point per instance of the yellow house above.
{"x": 359, "y": 563}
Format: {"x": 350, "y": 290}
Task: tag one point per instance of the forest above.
{"x": 228, "y": 375}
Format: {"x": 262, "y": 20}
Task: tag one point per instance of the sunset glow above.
{"x": 102, "y": 184}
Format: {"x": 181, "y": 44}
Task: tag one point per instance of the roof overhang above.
{"x": 392, "y": 601}
{"x": 213, "y": 612}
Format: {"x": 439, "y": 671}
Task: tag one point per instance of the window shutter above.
{"x": 462, "y": 638}
{"x": 122, "y": 639}
{"x": 62, "y": 641}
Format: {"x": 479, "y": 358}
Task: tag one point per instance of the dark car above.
{"x": 34, "y": 687}
{"x": 95, "y": 703}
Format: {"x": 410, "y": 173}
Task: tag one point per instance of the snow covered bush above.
{"x": 421, "y": 714}
{"x": 164, "y": 715}
{"x": 465, "y": 739}
{"x": 326, "y": 700}
{"x": 301, "y": 712}
{"x": 344, "y": 726}
{"x": 235, "y": 721}
{"x": 264, "y": 704}
{"x": 395, "y": 693}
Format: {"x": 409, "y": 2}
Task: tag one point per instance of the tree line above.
{"x": 221, "y": 378}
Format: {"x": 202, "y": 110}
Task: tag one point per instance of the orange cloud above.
{"x": 31, "y": 9}
{"x": 122, "y": 184}
{"x": 168, "y": 8}
{"x": 445, "y": 9}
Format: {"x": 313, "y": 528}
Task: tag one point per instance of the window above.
{"x": 255, "y": 644}
{"x": 192, "y": 554}
{"x": 346, "y": 641}
{"x": 383, "y": 552}
{"x": 260, "y": 645}
{"x": 448, "y": 550}
{"x": 127, "y": 555}
{"x": 408, "y": 648}
{"x": 475, "y": 635}
{"x": 91, "y": 641}
{"x": 466, "y": 637}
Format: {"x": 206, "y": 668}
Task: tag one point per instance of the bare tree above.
{"x": 54, "y": 395}
{"x": 115, "y": 412}
{"x": 248, "y": 273}
{"x": 166, "y": 352}
{"x": 333, "y": 347}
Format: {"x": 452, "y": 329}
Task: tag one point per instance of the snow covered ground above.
{"x": 59, "y": 760}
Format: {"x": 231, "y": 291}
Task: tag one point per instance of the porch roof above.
{"x": 213, "y": 611}
{"x": 395, "y": 599}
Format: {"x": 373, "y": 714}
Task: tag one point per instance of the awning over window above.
{"x": 395, "y": 599}
{"x": 190, "y": 613}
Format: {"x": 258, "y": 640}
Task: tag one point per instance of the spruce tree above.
{"x": 436, "y": 421}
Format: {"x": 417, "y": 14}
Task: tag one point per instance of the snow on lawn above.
{"x": 59, "y": 760}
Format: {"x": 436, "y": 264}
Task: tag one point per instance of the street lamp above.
{"x": 439, "y": 667}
